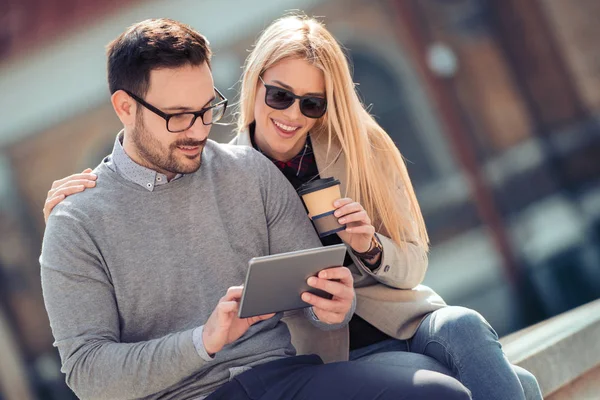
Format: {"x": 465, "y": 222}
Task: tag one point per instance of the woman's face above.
{"x": 281, "y": 134}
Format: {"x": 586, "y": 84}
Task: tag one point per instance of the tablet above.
{"x": 275, "y": 283}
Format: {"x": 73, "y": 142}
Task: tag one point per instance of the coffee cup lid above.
{"x": 316, "y": 185}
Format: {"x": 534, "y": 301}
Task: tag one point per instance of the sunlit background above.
{"x": 495, "y": 105}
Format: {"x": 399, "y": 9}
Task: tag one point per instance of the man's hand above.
{"x": 223, "y": 325}
{"x": 337, "y": 281}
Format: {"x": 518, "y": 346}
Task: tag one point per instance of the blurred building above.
{"x": 494, "y": 103}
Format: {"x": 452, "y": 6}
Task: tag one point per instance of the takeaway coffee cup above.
{"x": 318, "y": 196}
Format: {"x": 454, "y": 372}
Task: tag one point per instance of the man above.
{"x": 139, "y": 275}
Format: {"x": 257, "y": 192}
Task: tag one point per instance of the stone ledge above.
{"x": 560, "y": 350}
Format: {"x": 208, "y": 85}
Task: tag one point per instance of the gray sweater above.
{"x": 128, "y": 274}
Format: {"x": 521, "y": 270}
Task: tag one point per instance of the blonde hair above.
{"x": 375, "y": 169}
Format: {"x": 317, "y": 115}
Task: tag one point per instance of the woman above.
{"x": 299, "y": 108}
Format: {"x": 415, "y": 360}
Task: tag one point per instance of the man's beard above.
{"x": 156, "y": 157}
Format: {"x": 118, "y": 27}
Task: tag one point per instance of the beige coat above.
{"x": 391, "y": 298}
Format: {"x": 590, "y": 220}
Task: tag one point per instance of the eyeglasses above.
{"x": 280, "y": 99}
{"x": 180, "y": 122}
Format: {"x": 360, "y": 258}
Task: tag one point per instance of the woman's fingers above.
{"x": 71, "y": 187}
{"x": 347, "y": 208}
{"x": 361, "y": 229}
{"x": 82, "y": 176}
{"x": 50, "y": 204}
{"x": 360, "y": 216}
{"x": 59, "y": 195}
{"x": 342, "y": 202}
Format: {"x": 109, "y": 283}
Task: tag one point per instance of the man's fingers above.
{"x": 233, "y": 293}
{"x": 226, "y": 307}
{"x": 343, "y": 274}
{"x": 337, "y": 289}
{"x": 258, "y": 318}
{"x": 329, "y": 317}
{"x": 324, "y": 304}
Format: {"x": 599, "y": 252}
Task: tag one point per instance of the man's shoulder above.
{"x": 232, "y": 153}
{"x": 93, "y": 200}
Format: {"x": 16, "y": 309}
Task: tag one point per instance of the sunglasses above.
{"x": 280, "y": 99}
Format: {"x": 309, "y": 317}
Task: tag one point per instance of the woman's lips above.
{"x": 284, "y": 132}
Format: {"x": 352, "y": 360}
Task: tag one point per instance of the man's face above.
{"x": 184, "y": 89}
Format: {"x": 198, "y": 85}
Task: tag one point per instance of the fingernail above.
{"x": 306, "y": 297}
{"x": 323, "y": 275}
{"x": 342, "y": 220}
{"x": 92, "y": 183}
{"x": 336, "y": 203}
{"x": 312, "y": 281}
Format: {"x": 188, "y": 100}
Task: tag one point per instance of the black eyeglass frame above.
{"x": 295, "y": 97}
{"x": 223, "y": 102}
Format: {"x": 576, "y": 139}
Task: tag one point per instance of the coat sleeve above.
{"x": 403, "y": 265}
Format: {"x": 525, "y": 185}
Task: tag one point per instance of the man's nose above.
{"x": 198, "y": 131}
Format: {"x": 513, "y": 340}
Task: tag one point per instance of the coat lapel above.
{"x": 330, "y": 163}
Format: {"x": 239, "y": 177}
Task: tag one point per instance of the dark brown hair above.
{"x": 149, "y": 45}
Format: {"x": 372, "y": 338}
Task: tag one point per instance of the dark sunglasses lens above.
{"x": 278, "y": 99}
{"x": 313, "y": 107}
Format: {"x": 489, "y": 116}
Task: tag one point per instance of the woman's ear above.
{"x": 124, "y": 106}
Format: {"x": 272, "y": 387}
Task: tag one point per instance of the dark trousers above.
{"x": 306, "y": 377}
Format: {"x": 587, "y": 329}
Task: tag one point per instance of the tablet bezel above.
{"x": 288, "y": 272}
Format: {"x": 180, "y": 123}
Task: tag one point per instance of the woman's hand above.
{"x": 67, "y": 186}
{"x": 359, "y": 231}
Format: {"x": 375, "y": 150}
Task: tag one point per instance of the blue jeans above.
{"x": 459, "y": 342}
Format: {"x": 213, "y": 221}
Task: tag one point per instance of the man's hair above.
{"x": 149, "y": 45}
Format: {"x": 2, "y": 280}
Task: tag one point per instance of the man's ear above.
{"x": 124, "y": 106}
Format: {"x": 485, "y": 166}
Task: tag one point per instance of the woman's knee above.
{"x": 462, "y": 323}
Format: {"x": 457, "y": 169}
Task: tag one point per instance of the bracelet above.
{"x": 375, "y": 249}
